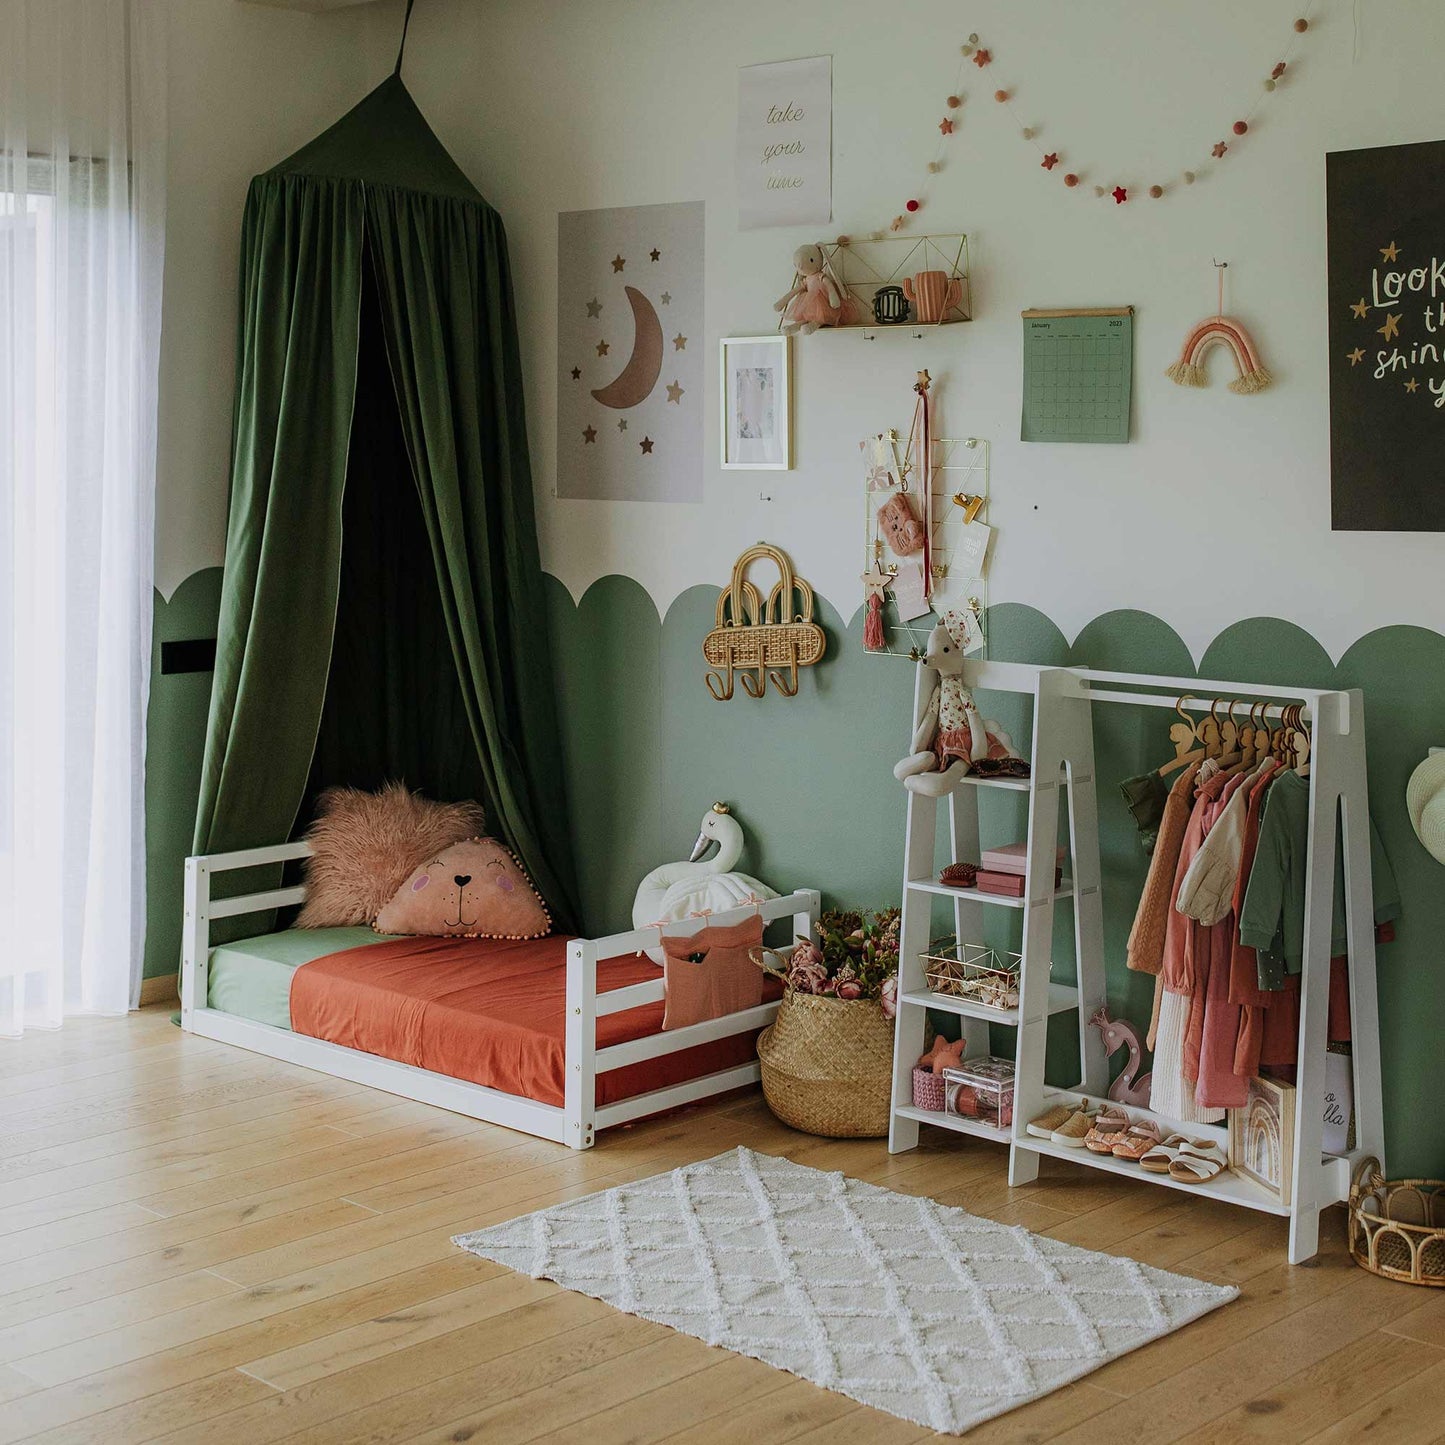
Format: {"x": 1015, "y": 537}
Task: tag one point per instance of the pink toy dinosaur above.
{"x": 1130, "y": 1087}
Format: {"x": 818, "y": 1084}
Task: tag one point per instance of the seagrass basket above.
{"x": 827, "y": 1065}
{"x": 1397, "y": 1226}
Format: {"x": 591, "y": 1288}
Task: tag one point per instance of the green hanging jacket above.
{"x": 1273, "y": 920}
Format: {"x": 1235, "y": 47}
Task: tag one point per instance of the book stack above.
{"x": 1001, "y": 870}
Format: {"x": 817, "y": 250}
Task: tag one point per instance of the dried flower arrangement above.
{"x": 855, "y": 956}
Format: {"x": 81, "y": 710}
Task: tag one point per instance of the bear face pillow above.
{"x": 474, "y": 889}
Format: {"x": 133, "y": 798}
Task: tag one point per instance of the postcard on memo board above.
{"x": 1078, "y": 371}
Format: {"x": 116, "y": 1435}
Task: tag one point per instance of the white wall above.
{"x": 1218, "y": 510}
{"x": 247, "y": 87}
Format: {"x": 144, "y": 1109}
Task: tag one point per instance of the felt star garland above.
{"x": 1120, "y": 193}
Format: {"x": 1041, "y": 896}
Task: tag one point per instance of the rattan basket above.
{"x": 1397, "y": 1226}
{"x": 827, "y": 1065}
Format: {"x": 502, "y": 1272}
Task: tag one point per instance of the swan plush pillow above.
{"x": 694, "y": 888}
{"x": 475, "y": 889}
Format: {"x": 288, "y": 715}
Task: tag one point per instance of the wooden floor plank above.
{"x": 200, "y": 1245}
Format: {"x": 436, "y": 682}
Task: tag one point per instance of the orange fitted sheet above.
{"x": 490, "y": 1011}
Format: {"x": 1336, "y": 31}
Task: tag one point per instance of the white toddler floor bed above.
{"x": 578, "y": 1120}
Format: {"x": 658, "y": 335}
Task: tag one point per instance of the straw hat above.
{"x": 1425, "y": 802}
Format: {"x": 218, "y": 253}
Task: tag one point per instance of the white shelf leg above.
{"x": 1360, "y": 922}
{"x": 912, "y": 941}
{"x": 1076, "y": 719}
{"x": 1050, "y": 751}
{"x": 1309, "y": 1177}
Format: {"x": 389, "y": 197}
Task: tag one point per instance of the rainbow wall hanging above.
{"x": 1220, "y": 331}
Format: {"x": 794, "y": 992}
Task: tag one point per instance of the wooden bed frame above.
{"x": 577, "y": 1122}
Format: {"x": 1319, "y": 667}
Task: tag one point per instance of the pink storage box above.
{"x": 1011, "y": 858}
{"x": 1008, "y": 885}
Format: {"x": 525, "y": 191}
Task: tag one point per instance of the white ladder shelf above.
{"x": 1062, "y": 762}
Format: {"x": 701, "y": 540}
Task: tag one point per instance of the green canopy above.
{"x": 382, "y": 611}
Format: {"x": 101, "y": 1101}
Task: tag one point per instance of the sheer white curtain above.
{"x": 82, "y": 155}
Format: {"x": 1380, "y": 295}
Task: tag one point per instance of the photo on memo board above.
{"x": 755, "y": 388}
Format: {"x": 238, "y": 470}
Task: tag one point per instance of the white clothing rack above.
{"x": 1063, "y": 758}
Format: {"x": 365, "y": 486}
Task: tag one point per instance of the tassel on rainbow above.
{"x": 1220, "y": 331}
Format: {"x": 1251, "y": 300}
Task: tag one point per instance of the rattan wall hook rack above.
{"x": 764, "y": 641}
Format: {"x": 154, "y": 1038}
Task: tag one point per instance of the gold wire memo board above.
{"x": 959, "y": 482}
{"x": 863, "y": 268}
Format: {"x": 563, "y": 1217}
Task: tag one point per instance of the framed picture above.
{"x": 755, "y": 382}
{"x": 1261, "y": 1135}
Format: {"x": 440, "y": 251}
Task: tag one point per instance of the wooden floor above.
{"x": 201, "y": 1245}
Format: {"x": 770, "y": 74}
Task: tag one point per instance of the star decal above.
{"x": 1412, "y": 386}
{"x": 1356, "y": 356}
{"x": 646, "y": 445}
{"x": 1388, "y": 253}
{"x": 594, "y": 309}
{"x": 589, "y": 435}
{"x": 874, "y": 580}
{"x": 1361, "y": 308}
{"x": 576, "y": 373}
{"x": 602, "y": 348}
{"x": 666, "y": 298}
{"x": 1219, "y": 150}
{"x": 679, "y": 342}
{"x": 1120, "y": 195}
{"x": 622, "y": 423}
{"x": 1391, "y": 329}
{"x": 945, "y": 126}
{"x": 617, "y": 263}
{"x": 1050, "y": 160}
{"x": 654, "y": 254}
{"x": 674, "y": 392}
{"x": 981, "y": 58}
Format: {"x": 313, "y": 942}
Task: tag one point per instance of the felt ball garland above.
{"x": 973, "y": 52}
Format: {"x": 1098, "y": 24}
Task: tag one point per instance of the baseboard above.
{"x": 161, "y": 989}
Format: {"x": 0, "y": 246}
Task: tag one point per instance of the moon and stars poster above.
{"x": 1387, "y": 337}
{"x": 630, "y": 353}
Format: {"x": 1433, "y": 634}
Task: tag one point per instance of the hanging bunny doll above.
{"x": 953, "y": 739}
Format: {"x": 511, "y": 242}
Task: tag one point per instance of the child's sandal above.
{"x": 1197, "y": 1162}
{"x": 1139, "y": 1139}
{"x": 1107, "y": 1130}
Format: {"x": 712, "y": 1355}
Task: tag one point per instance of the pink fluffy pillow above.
{"x": 365, "y": 844}
{"x": 475, "y": 889}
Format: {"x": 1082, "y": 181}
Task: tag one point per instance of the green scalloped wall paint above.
{"x": 647, "y": 750}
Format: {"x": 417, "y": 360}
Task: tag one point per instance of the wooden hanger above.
{"x": 1182, "y": 735}
{"x": 1209, "y": 732}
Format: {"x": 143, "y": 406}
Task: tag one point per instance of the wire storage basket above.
{"x": 984, "y": 975}
{"x": 1397, "y": 1227}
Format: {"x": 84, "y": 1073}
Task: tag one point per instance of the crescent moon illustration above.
{"x": 635, "y": 381}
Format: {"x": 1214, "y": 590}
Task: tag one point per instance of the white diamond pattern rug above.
{"x": 924, "y": 1311}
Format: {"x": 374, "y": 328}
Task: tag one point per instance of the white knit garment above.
{"x": 912, "y": 1307}
{"x": 1170, "y": 1093}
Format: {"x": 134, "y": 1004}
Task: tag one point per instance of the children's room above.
{"x": 721, "y": 721}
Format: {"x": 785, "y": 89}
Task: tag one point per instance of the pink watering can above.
{"x": 933, "y": 294}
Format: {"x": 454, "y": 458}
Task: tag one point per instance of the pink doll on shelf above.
{"x": 817, "y": 300}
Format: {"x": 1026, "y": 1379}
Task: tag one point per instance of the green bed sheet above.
{"x": 252, "y": 977}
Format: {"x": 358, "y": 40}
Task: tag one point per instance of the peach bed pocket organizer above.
{"x": 709, "y": 974}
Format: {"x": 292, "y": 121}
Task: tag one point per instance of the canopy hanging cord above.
{"x": 401, "y": 49}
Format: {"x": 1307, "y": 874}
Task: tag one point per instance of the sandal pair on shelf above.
{"x": 1101, "y": 1129}
{"x": 1107, "y": 1129}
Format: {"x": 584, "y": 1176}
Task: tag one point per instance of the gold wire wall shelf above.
{"x": 911, "y": 284}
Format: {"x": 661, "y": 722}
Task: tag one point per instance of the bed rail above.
{"x": 577, "y": 1122}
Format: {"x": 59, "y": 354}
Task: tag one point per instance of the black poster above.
{"x": 1387, "y": 337}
